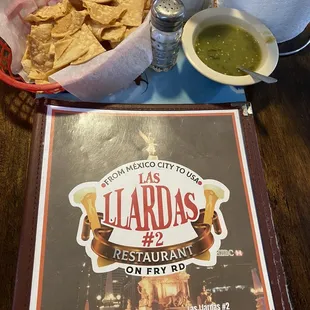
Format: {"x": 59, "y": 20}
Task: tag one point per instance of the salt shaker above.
{"x": 166, "y": 31}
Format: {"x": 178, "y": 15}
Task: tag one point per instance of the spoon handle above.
{"x": 264, "y": 78}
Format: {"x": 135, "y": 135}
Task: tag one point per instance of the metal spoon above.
{"x": 255, "y": 75}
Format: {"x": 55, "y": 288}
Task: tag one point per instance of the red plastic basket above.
{"x": 9, "y": 78}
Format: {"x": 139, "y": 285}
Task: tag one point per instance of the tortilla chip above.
{"x": 35, "y": 74}
{"x": 145, "y": 13}
{"x": 147, "y": 4}
{"x": 100, "y": 1}
{"x": 61, "y": 46}
{"x": 129, "y": 31}
{"x": 69, "y": 24}
{"x": 115, "y": 34}
{"x": 73, "y": 52}
{"x": 41, "y": 58}
{"x": 114, "y": 44}
{"x": 52, "y": 12}
{"x": 42, "y": 32}
{"x": 41, "y": 82}
{"x": 26, "y": 61}
{"x": 97, "y": 28}
{"x": 52, "y": 49}
{"x": 85, "y": 37}
{"x": 104, "y": 14}
{"x": 38, "y": 75}
{"x": 133, "y": 16}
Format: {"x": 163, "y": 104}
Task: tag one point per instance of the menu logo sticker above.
{"x": 150, "y": 217}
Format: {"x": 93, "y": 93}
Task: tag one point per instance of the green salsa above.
{"x": 225, "y": 47}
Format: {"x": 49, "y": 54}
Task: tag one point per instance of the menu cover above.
{"x": 142, "y": 208}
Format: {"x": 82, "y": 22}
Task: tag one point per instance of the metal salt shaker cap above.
{"x": 168, "y": 15}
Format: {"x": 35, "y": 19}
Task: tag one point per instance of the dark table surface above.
{"x": 282, "y": 113}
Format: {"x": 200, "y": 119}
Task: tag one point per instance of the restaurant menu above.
{"x": 142, "y": 210}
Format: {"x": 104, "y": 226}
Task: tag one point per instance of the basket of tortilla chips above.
{"x": 70, "y": 33}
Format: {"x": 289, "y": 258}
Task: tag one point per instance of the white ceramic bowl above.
{"x": 209, "y": 17}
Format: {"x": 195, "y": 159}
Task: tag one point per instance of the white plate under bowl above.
{"x": 216, "y": 16}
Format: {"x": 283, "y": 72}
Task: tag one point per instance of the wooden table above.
{"x": 283, "y": 124}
